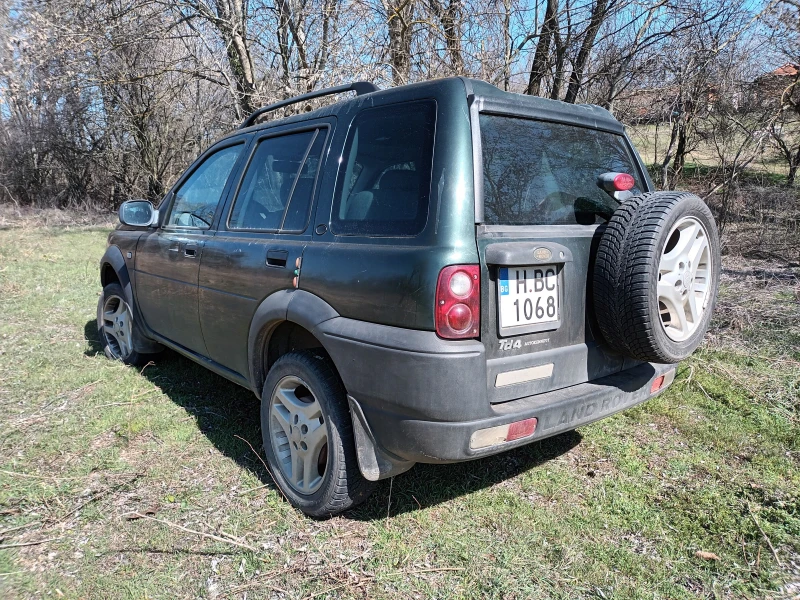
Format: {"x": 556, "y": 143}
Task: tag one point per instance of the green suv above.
{"x": 431, "y": 273}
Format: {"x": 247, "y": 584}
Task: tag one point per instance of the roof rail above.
{"x": 359, "y": 87}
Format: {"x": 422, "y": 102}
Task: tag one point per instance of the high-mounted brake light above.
{"x": 616, "y": 182}
{"x": 623, "y": 182}
{"x": 458, "y": 302}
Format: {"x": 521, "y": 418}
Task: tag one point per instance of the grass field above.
{"x": 624, "y": 508}
{"x": 768, "y": 167}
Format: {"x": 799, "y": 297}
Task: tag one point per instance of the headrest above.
{"x": 288, "y": 166}
{"x": 399, "y": 180}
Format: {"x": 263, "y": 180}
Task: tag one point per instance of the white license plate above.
{"x": 527, "y": 295}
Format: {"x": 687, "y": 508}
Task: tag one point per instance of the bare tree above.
{"x": 400, "y": 22}
{"x": 542, "y": 54}
{"x": 782, "y": 92}
{"x": 449, "y": 17}
{"x": 599, "y": 12}
{"x": 230, "y": 20}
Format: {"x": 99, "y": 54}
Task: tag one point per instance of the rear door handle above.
{"x": 277, "y": 258}
{"x": 190, "y": 251}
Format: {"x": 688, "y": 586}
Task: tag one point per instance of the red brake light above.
{"x": 623, "y": 182}
{"x": 616, "y": 182}
{"x": 458, "y": 302}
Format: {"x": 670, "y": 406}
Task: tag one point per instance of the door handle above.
{"x": 277, "y": 258}
{"x": 190, "y": 251}
{"x": 175, "y": 247}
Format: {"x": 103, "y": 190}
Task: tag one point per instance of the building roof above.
{"x": 787, "y": 70}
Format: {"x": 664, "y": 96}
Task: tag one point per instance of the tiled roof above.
{"x": 789, "y": 69}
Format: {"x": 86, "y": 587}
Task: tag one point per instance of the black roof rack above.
{"x": 359, "y": 87}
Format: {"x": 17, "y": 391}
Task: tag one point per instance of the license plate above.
{"x": 528, "y": 295}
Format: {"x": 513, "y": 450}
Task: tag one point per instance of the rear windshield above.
{"x": 542, "y": 173}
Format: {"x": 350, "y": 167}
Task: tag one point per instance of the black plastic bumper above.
{"x": 420, "y": 399}
{"x": 417, "y": 440}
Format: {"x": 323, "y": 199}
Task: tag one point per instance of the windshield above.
{"x": 543, "y": 173}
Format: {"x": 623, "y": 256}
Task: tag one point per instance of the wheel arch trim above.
{"x": 113, "y": 258}
{"x": 294, "y": 306}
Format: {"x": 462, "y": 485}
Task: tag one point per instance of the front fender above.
{"x": 113, "y": 258}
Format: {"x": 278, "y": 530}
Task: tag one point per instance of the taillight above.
{"x": 616, "y": 182}
{"x": 458, "y": 302}
{"x": 658, "y": 383}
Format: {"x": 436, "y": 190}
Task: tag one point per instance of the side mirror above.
{"x": 138, "y": 213}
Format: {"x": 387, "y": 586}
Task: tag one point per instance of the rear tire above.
{"x": 308, "y": 435}
{"x": 656, "y": 276}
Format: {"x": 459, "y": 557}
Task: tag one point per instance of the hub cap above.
{"x": 684, "y": 275}
{"x": 117, "y": 327}
{"x": 298, "y": 435}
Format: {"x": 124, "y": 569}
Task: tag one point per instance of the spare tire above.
{"x": 656, "y": 276}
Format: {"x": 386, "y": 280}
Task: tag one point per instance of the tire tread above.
{"x": 623, "y": 274}
{"x": 348, "y": 487}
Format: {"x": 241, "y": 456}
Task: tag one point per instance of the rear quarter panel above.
{"x": 392, "y": 280}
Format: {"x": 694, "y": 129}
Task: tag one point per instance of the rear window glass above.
{"x": 542, "y": 173}
{"x": 385, "y": 175}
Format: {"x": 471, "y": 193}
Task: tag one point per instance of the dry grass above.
{"x": 26, "y": 217}
{"x": 618, "y": 509}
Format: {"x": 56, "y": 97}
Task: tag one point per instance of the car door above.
{"x": 168, "y": 259}
{"x": 255, "y": 251}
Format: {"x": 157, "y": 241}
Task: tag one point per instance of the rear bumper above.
{"x": 417, "y": 398}
{"x": 418, "y": 440}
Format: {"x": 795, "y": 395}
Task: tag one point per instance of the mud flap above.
{"x": 373, "y": 462}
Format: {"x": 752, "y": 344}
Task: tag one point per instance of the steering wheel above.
{"x": 193, "y": 216}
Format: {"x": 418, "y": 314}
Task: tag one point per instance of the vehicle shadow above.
{"x": 428, "y": 485}
{"x": 228, "y": 415}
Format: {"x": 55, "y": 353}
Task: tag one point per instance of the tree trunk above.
{"x": 665, "y": 179}
{"x": 576, "y": 79}
{"x": 793, "y": 166}
{"x": 542, "y": 55}
{"x": 398, "y": 16}
{"x": 680, "y": 150}
{"x": 558, "y": 76}
{"x": 450, "y": 19}
{"x": 232, "y": 24}
{"x": 506, "y": 44}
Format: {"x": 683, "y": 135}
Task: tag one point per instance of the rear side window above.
{"x": 384, "y": 181}
{"x": 276, "y": 191}
{"x": 542, "y": 173}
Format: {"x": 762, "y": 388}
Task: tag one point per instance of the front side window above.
{"x": 278, "y": 185}
{"x": 543, "y": 173}
{"x": 384, "y": 179}
{"x": 197, "y": 199}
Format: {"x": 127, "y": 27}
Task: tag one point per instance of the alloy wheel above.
{"x": 117, "y": 327}
{"x": 298, "y": 434}
{"x": 684, "y": 273}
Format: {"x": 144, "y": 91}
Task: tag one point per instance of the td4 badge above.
{"x": 514, "y": 344}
